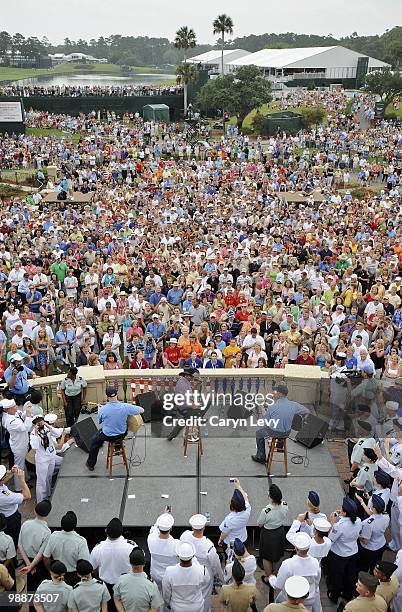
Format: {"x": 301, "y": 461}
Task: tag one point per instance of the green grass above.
{"x": 52, "y": 132}
{"x": 9, "y": 191}
{"x": 14, "y": 74}
{"x": 391, "y": 109}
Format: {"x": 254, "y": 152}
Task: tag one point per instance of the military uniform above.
{"x": 358, "y": 449}
{"x": 396, "y": 510}
{"x": 137, "y": 592}
{"x": 61, "y": 589}
{"x": 111, "y": 558}
{"x": 88, "y": 595}
{"x": 9, "y": 502}
{"x": 33, "y": 538}
{"x": 365, "y": 477}
{"x": 373, "y": 529}
{"x": 309, "y": 568}
{"x": 366, "y": 604}
{"x": 68, "y": 547}
{"x": 388, "y": 590}
{"x": 163, "y": 554}
{"x": 341, "y": 577}
{"x": 207, "y": 556}
{"x": 7, "y": 548}
{"x": 183, "y": 587}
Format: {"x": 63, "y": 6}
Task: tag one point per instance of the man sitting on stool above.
{"x": 113, "y": 416}
{"x": 283, "y": 410}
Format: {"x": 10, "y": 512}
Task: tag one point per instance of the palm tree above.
{"x": 222, "y": 25}
{"x": 185, "y": 39}
{"x": 185, "y": 74}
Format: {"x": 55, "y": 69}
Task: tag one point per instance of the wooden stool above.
{"x": 278, "y": 445}
{"x": 188, "y": 439}
{"x": 116, "y": 449}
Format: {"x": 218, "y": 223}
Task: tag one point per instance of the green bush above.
{"x": 258, "y": 123}
{"x": 247, "y": 131}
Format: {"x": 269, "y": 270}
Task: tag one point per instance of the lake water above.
{"x": 97, "y": 79}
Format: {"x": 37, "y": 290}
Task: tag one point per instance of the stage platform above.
{"x": 160, "y": 475}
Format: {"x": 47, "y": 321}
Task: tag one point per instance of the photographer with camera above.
{"x": 73, "y": 389}
{"x": 16, "y": 377}
{"x": 18, "y": 425}
{"x": 42, "y": 441}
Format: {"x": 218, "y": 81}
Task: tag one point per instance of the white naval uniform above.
{"x": 396, "y": 510}
{"x": 397, "y": 601}
{"x": 249, "y": 564}
{"x": 163, "y": 554}
{"x": 205, "y": 553}
{"x": 45, "y": 462}
{"x": 318, "y": 551}
{"x": 18, "y": 426}
{"x": 309, "y": 568}
{"x": 112, "y": 558}
{"x": 182, "y": 587}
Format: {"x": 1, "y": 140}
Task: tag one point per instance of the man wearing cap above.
{"x": 113, "y": 417}
{"x": 42, "y": 440}
{"x": 16, "y": 377}
{"x": 301, "y": 564}
{"x": 89, "y": 593}
{"x": 183, "y": 583}
{"x": 18, "y": 425}
{"x": 162, "y": 546}
{"x": 188, "y": 381}
{"x": 389, "y": 583}
{"x": 368, "y": 600}
{"x": 304, "y": 357}
{"x": 111, "y": 556}
{"x": 67, "y": 546}
{"x": 238, "y": 596}
{"x": 32, "y": 540}
{"x": 54, "y": 586}
{"x": 9, "y": 501}
{"x": 156, "y": 328}
{"x": 283, "y": 412}
{"x": 296, "y": 589}
{"x": 205, "y": 553}
{"x": 134, "y": 591}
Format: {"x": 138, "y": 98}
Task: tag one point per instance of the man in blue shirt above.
{"x": 283, "y": 411}
{"x": 113, "y": 418}
{"x": 16, "y": 376}
{"x": 156, "y": 329}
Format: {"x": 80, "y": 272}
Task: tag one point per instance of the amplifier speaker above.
{"x": 83, "y": 432}
{"x": 152, "y": 406}
{"x": 312, "y": 431}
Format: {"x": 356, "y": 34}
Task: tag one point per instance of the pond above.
{"x": 106, "y": 80}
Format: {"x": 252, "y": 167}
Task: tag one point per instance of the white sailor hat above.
{"x": 297, "y": 587}
{"x": 7, "y": 403}
{"x": 185, "y": 551}
{"x": 198, "y": 521}
{"x": 321, "y": 524}
{"x": 392, "y": 406}
{"x": 302, "y": 541}
{"x": 165, "y": 521}
{"x": 51, "y": 418}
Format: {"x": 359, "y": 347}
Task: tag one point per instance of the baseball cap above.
{"x": 111, "y": 392}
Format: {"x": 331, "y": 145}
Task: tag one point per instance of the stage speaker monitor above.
{"x": 152, "y": 406}
{"x": 83, "y": 432}
{"x": 312, "y": 431}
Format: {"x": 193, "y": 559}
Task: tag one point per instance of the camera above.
{"x": 19, "y": 368}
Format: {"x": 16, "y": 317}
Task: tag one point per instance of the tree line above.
{"x": 146, "y": 51}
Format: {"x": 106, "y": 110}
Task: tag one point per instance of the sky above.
{"x": 87, "y": 19}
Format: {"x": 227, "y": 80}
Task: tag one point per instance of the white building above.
{"x": 61, "y": 58}
{"x": 211, "y": 60}
{"x": 323, "y": 65}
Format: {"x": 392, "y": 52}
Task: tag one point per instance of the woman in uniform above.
{"x": 372, "y": 540}
{"x": 272, "y": 534}
{"x": 234, "y": 525}
{"x": 342, "y": 557}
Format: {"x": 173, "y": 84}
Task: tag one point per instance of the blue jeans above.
{"x": 261, "y": 435}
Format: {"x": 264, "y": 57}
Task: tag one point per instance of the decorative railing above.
{"x": 305, "y": 383}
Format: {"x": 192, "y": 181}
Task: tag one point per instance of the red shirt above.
{"x": 172, "y": 353}
{"x": 301, "y": 361}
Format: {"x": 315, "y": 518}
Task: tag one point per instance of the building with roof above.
{"x": 322, "y": 65}
{"x": 61, "y": 58}
{"x": 211, "y": 60}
